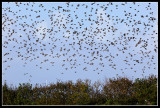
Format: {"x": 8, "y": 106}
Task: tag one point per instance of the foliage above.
{"x": 146, "y": 90}
{"x": 120, "y": 91}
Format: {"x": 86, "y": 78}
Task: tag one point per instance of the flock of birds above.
{"x": 90, "y": 40}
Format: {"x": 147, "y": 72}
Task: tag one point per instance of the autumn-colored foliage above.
{"x": 115, "y": 91}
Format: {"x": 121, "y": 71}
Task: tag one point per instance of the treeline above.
{"x": 115, "y": 91}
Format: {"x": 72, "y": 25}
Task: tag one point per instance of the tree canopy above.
{"x": 115, "y": 91}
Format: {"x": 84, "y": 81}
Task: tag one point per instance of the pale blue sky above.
{"x": 15, "y": 73}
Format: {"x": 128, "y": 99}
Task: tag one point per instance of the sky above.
{"x": 31, "y": 20}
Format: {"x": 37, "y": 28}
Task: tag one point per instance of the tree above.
{"x": 24, "y": 95}
{"x": 146, "y": 90}
{"x": 119, "y": 91}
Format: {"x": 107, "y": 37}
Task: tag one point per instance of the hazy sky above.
{"x": 25, "y": 18}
